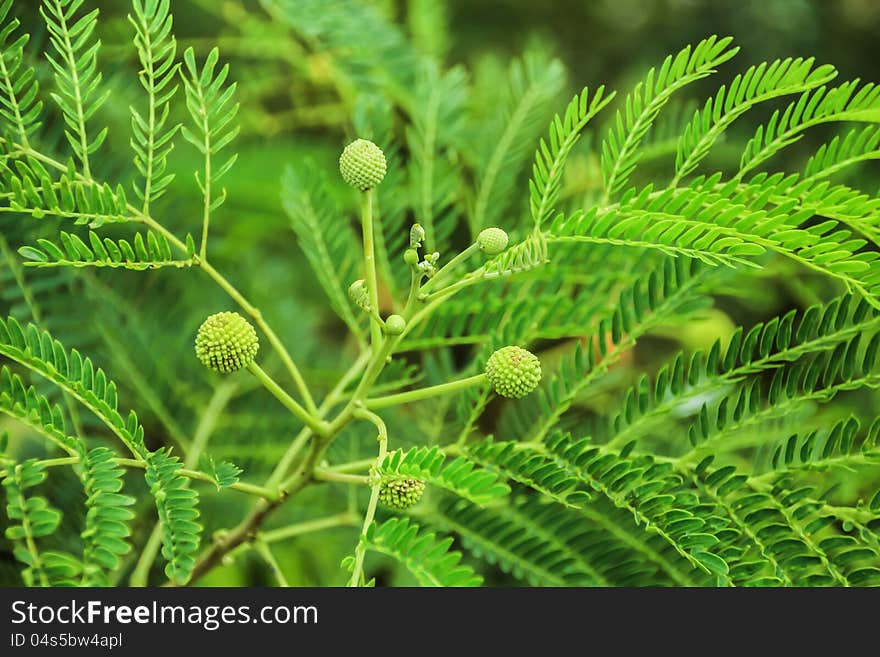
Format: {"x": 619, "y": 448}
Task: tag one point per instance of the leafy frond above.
{"x": 726, "y": 225}
{"x": 756, "y": 85}
{"x": 533, "y": 83}
{"x": 47, "y": 357}
{"x": 329, "y": 247}
{"x": 366, "y": 52}
{"x": 426, "y": 557}
{"x": 212, "y": 108}
{"x": 20, "y": 105}
{"x": 620, "y": 153}
{"x": 76, "y": 73}
{"x": 838, "y": 154}
{"x": 31, "y": 518}
{"x": 527, "y": 466}
{"x": 108, "y": 517}
{"x": 668, "y": 291}
{"x": 177, "y": 505}
{"x": 34, "y": 409}
{"x": 434, "y": 177}
{"x": 152, "y": 252}
{"x": 519, "y": 542}
{"x": 32, "y": 190}
{"x": 653, "y": 493}
{"x": 459, "y": 476}
{"x": 766, "y": 347}
{"x": 550, "y": 160}
{"x": 795, "y": 531}
{"x": 151, "y": 134}
{"x": 845, "y": 102}
{"x": 819, "y": 450}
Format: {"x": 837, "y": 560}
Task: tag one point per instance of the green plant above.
{"x": 725, "y": 464}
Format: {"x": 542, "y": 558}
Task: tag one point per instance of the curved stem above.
{"x": 329, "y": 475}
{"x": 425, "y": 393}
{"x": 308, "y": 526}
{"x": 450, "y": 266}
{"x": 314, "y": 423}
{"x": 361, "y": 549}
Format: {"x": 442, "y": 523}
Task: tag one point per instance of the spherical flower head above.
{"x": 400, "y": 492}
{"x": 362, "y": 164}
{"x": 226, "y": 342}
{"x": 513, "y": 371}
{"x": 395, "y": 325}
{"x": 492, "y": 241}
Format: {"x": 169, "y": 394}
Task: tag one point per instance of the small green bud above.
{"x": 226, "y": 342}
{"x": 416, "y": 236}
{"x": 400, "y": 492}
{"x": 513, "y": 371}
{"x": 492, "y": 241}
{"x": 362, "y": 164}
{"x": 359, "y": 293}
{"x": 411, "y": 257}
{"x": 395, "y": 325}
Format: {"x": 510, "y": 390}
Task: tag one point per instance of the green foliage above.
{"x": 459, "y": 476}
{"x": 78, "y": 79}
{"x": 428, "y": 559}
{"x": 20, "y": 105}
{"x": 177, "y": 505}
{"x": 703, "y": 297}
{"x": 107, "y": 522}
{"x": 151, "y": 252}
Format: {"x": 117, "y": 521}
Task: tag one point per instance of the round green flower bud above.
{"x": 411, "y": 257}
{"x": 395, "y": 325}
{"x": 226, "y": 342}
{"x": 492, "y": 241}
{"x": 513, "y": 371}
{"x": 362, "y": 164}
{"x": 400, "y": 492}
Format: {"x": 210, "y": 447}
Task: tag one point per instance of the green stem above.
{"x": 302, "y": 439}
{"x": 257, "y": 317}
{"x": 450, "y": 266}
{"x": 370, "y": 266}
{"x": 263, "y": 550}
{"x": 361, "y": 549}
{"x": 312, "y": 422}
{"x": 322, "y": 474}
{"x": 300, "y": 528}
{"x": 425, "y": 393}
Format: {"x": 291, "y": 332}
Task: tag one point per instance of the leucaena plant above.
{"x": 491, "y": 416}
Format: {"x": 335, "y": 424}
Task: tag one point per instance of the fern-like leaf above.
{"x": 845, "y": 102}
{"x": 177, "y": 505}
{"x": 76, "y": 73}
{"x": 620, "y": 153}
{"x": 151, "y": 134}
{"x": 20, "y": 105}
{"x": 32, "y": 518}
{"x": 328, "y": 246}
{"x": 533, "y": 82}
{"x": 150, "y": 252}
{"x": 47, "y": 357}
{"x": 426, "y": 557}
{"x": 550, "y": 160}
{"x": 459, "y": 476}
{"x": 757, "y": 85}
{"x": 108, "y": 517}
